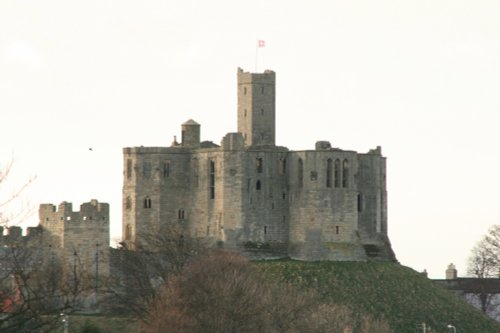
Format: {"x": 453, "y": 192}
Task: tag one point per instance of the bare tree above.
{"x": 484, "y": 264}
{"x": 35, "y": 284}
{"x": 13, "y": 210}
{"x": 35, "y": 289}
{"x": 142, "y": 267}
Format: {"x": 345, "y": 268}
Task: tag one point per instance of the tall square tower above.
{"x": 256, "y": 107}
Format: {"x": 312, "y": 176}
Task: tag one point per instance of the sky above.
{"x": 421, "y": 78}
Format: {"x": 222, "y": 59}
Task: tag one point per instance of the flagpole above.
{"x": 256, "y": 56}
{"x": 260, "y": 43}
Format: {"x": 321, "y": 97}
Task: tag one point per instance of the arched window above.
{"x": 147, "y": 202}
{"x": 337, "y": 173}
{"x": 345, "y": 173}
{"x": 300, "y": 172}
{"x": 329, "y": 167}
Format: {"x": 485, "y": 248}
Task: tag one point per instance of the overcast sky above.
{"x": 419, "y": 78}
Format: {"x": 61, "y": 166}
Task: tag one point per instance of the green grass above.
{"x": 383, "y": 289}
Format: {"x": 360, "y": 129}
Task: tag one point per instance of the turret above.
{"x": 451, "y": 272}
{"x": 191, "y": 134}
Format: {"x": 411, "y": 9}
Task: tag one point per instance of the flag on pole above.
{"x": 261, "y": 43}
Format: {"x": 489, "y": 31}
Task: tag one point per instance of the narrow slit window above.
{"x": 129, "y": 168}
{"x": 166, "y": 169}
{"x": 147, "y": 202}
{"x": 212, "y": 179}
{"x": 300, "y": 172}
{"x": 258, "y": 185}
{"x": 360, "y": 202}
{"x": 260, "y": 165}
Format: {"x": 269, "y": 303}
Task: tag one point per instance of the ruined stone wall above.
{"x": 372, "y": 200}
{"x": 78, "y": 235}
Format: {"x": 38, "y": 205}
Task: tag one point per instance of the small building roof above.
{"x": 191, "y": 122}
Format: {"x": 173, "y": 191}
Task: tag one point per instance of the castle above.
{"x": 258, "y": 198}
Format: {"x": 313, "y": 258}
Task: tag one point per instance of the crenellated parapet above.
{"x": 15, "y": 235}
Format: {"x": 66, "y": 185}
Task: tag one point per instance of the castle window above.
{"x": 258, "y": 185}
{"x": 128, "y": 203}
{"x": 360, "y": 202}
{"x": 180, "y": 214}
{"x": 245, "y": 112}
{"x": 265, "y": 229}
{"x": 260, "y": 164}
{"x": 282, "y": 166}
{"x": 261, "y": 112}
{"x": 166, "y": 169}
{"x": 194, "y": 166}
{"x": 329, "y": 167}
{"x": 147, "y": 169}
{"x": 337, "y": 173}
{"x": 129, "y": 168}
{"x": 244, "y": 90}
{"x": 300, "y": 173}
{"x": 314, "y": 175}
{"x": 337, "y": 229}
{"x": 147, "y": 202}
{"x": 128, "y": 232}
{"x": 68, "y": 218}
{"x": 345, "y": 174}
{"x": 212, "y": 179}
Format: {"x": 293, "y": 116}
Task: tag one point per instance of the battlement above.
{"x": 89, "y": 211}
{"x": 268, "y": 77}
{"x": 14, "y": 235}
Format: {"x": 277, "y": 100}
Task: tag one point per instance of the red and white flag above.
{"x": 261, "y": 43}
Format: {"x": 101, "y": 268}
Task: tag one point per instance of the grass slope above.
{"x": 383, "y": 289}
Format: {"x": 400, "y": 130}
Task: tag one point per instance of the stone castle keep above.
{"x": 253, "y": 196}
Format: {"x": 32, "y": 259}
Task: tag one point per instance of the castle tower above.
{"x": 191, "y": 134}
{"x": 256, "y": 107}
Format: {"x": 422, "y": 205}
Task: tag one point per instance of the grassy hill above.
{"x": 382, "y": 289}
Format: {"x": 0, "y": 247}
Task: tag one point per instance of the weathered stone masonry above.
{"x": 262, "y": 199}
